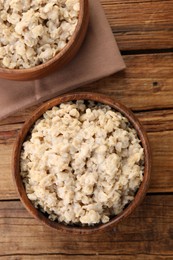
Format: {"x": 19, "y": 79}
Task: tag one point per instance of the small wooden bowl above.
{"x": 61, "y": 59}
{"x": 24, "y": 132}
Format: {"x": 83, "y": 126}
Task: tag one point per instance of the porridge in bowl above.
{"x": 82, "y": 163}
{"x": 33, "y": 32}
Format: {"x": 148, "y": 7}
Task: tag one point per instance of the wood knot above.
{"x": 155, "y": 84}
{"x": 156, "y": 87}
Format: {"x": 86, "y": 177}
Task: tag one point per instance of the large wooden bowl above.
{"x": 24, "y": 132}
{"x": 61, "y": 58}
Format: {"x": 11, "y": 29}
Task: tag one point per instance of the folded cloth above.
{"x": 97, "y": 58}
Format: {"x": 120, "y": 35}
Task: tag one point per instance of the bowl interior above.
{"x": 24, "y": 132}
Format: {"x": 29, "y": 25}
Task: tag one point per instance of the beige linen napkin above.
{"x": 98, "y": 57}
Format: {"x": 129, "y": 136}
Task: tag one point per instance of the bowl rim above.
{"x": 113, "y": 103}
{"x": 59, "y": 55}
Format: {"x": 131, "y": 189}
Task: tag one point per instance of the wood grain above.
{"x": 157, "y": 121}
{"x": 85, "y": 257}
{"x": 148, "y": 231}
{"x": 141, "y": 24}
{"x": 146, "y": 84}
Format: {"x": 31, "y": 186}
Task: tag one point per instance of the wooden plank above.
{"x": 153, "y": 121}
{"x": 160, "y": 132}
{"x": 18, "y": 117}
{"x": 141, "y": 24}
{"x": 145, "y": 84}
{"x": 149, "y": 231}
{"x": 85, "y": 257}
{"x": 162, "y": 154}
{"x": 7, "y": 137}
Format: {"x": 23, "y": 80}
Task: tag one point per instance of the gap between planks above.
{"x": 53, "y": 256}
{"x": 149, "y": 51}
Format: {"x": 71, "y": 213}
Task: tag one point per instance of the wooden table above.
{"x": 144, "y": 32}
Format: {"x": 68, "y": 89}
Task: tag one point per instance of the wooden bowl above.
{"x": 24, "y": 132}
{"x": 61, "y": 59}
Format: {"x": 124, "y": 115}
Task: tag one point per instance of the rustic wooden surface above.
{"x": 144, "y": 32}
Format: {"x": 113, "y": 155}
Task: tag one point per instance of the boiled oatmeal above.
{"x": 32, "y": 32}
{"x": 82, "y": 163}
